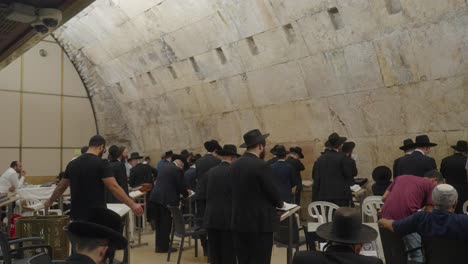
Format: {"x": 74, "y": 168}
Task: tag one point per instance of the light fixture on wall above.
{"x": 43, "y": 52}
{"x": 41, "y": 19}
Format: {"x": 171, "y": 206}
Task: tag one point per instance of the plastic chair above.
{"x": 322, "y": 211}
{"x": 179, "y": 230}
{"x": 281, "y": 237}
{"x": 38, "y": 259}
{"x": 465, "y": 207}
{"x": 370, "y": 207}
{"x": 439, "y": 250}
{"x": 14, "y": 249}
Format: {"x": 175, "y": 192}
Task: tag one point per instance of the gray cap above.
{"x": 444, "y": 196}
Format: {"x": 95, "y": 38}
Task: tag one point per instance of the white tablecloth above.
{"x": 35, "y": 192}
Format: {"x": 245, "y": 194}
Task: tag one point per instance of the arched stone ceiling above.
{"x": 173, "y": 73}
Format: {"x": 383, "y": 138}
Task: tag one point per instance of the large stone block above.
{"x": 275, "y": 46}
{"x": 219, "y": 63}
{"x": 249, "y": 16}
{"x": 277, "y": 84}
{"x": 287, "y": 11}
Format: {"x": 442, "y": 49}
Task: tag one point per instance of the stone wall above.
{"x": 171, "y": 74}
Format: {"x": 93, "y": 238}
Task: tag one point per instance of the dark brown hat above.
{"x": 252, "y": 138}
{"x": 407, "y": 144}
{"x": 334, "y": 141}
{"x": 423, "y": 141}
{"x": 347, "y": 228}
{"x": 461, "y": 146}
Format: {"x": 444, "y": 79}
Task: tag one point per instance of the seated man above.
{"x": 441, "y": 223}
{"x": 381, "y": 176}
{"x": 345, "y": 235}
{"x": 95, "y": 240}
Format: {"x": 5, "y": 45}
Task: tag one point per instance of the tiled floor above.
{"x": 146, "y": 254}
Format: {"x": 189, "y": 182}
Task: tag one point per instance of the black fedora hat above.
{"x": 185, "y": 153}
{"x": 252, "y": 138}
{"x": 461, "y": 146}
{"x": 273, "y": 150}
{"x": 348, "y": 147}
{"x": 228, "y": 150}
{"x": 102, "y": 224}
{"x": 281, "y": 150}
{"x": 407, "y": 144}
{"x": 297, "y": 150}
{"x": 423, "y": 141}
{"x": 381, "y": 174}
{"x": 212, "y": 145}
{"x": 135, "y": 155}
{"x": 347, "y": 228}
{"x": 168, "y": 154}
{"x": 334, "y": 141}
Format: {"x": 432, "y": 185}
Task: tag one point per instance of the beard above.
{"x": 100, "y": 154}
{"x": 262, "y": 155}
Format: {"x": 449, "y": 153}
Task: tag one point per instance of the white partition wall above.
{"x": 45, "y": 112}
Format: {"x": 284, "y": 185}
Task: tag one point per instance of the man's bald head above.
{"x": 179, "y": 163}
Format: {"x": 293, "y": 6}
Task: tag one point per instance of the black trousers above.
{"x": 221, "y": 247}
{"x": 297, "y": 197}
{"x": 163, "y": 224}
{"x": 253, "y": 248}
{"x": 200, "y": 213}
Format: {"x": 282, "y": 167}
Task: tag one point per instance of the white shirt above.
{"x": 10, "y": 178}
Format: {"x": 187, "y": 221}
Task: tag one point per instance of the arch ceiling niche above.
{"x": 171, "y": 74}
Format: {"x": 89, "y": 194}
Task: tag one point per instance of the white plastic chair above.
{"x": 465, "y": 208}
{"x": 322, "y": 211}
{"x": 370, "y": 207}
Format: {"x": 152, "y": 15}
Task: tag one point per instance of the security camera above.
{"x": 50, "y": 17}
{"x": 40, "y": 27}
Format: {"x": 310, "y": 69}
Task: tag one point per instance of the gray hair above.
{"x": 444, "y": 197}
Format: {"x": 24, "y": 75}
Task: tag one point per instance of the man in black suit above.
{"x": 140, "y": 172}
{"x": 454, "y": 172}
{"x": 418, "y": 163}
{"x": 332, "y": 174}
{"x": 347, "y": 149}
{"x": 284, "y": 175}
{"x": 274, "y": 158}
{"x": 345, "y": 235}
{"x": 254, "y": 202}
{"x": 166, "y": 191}
{"x": 203, "y": 165}
{"x": 294, "y": 159}
{"x": 119, "y": 172}
{"x": 217, "y": 218}
{"x": 408, "y": 148}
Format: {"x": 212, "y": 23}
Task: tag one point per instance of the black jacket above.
{"x": 453, "y": 169}
{"x": 120, "y": 174}
{"x": 416, "y": 164}
{"x": 202, "y": 165}
{"x": 218, "y": 198}
{"x": 169, "y": 186}
{"x": 298, "y": 166}
{"x": 254, "y": 197}
{"x": 272, "y": 160}
{"x": 334, "y": 255}
{"x": 79, "y": 259}
{"x": 333, "y": 175}
{"x": 142, "y": 173}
